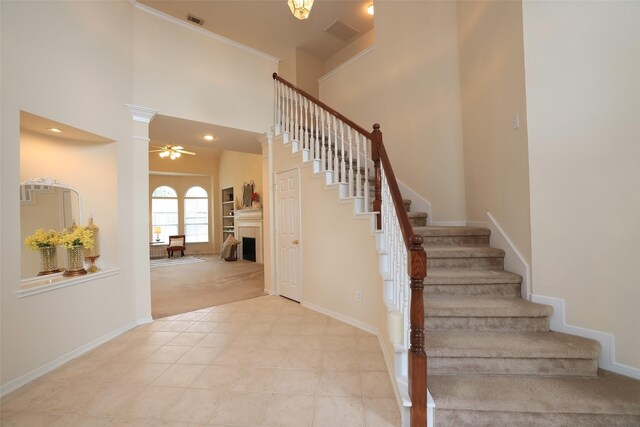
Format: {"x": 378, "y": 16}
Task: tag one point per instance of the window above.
{"x": 164, "y": 212}
{"x": 196, "y": 215}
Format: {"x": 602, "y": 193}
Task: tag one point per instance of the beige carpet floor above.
{"x": 181, "y": 288}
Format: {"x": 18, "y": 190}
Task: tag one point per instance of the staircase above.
{"x": 492, "y": 359}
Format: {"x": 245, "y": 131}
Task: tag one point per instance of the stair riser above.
{"x": 512, "y": 366}
{"x": 497, "y": 290}
{"x": 489, "y": 324}
{"x": 418, "y": 222}
{"x": 462, "y": 418}
{"x": 455, "y": 240}
{"x": 489, "y": 263}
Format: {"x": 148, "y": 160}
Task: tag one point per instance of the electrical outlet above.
{"x": 359, "y": 296}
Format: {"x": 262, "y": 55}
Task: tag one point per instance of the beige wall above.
{"x": 492, "y": 93}
{"x": 582, "y": 86}
{"x": 185, "y": 74}
{"x": 410, "y": 85}
{"x": 333, "y": 242}
{"x": 236, "y": 168}
{"x": 87, "y": 87}
{"x": 349, "y": 51}
{"x": 287, "y": 68}
{"x": 182, "y": 183}
{"x": 309, "y": 69}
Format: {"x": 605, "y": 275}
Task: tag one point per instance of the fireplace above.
{"x": 249, "y": 249}
{"x": 249, "y": 225}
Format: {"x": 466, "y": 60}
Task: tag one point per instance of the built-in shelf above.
{"x": 50, "y": 282}
{"x": 228, "y": 218}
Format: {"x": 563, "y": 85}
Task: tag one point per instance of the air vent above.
{"x": 342, "y": 31}
{"x": 195, "y": 20}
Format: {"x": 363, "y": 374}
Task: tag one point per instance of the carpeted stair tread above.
{"x": 417, "y": 214}
{"x": 440, "y": 231}
{"x": 484, "y": 307}
{"x": 607, "y": 393}
{"x": 436, "y": 252}
{"x": 470, "y": 277}
{"x": 510, "y": 344}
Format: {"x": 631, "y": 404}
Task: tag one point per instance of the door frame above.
{"x": 289, "y": 168}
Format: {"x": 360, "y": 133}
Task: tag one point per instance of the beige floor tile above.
{"x": 276, "y": 342}
{"x": 215, "y": 339}
{"x": 297, "y": 381}
{"x": 193, "y": 406}
{"x": 340, "y": 361}
{"x": 313, "y": 329}
{"x": 381, "y": 412}
{"x": 151, "y": 402}
{"x": 111, "y": 401}
{"x": 188, "y": 338}
{"x": 107, "y": 373}
{"x": 72, "y": 371}
{"x": 247, "y": 409}
{"x": 339, "y": 343}
{"x": 158, "y": 337}
{"x": 191, "y": 316}
{"x": 24, "y": 398}
{"x": 257, "y": 329}
{"x": 66, "y": 400}
{"x": 229, "y": 328}
{"x": 338, "y": 412}
{"x": 28, "y": 419}
{"x": 202, "y": 327}
{"x": 136, "y": 353}
{"x": 271, "y": 359}
{"x": 376, "y": 384}
{"x": 177, "y": 326}
{"x": 285, "y": 329}
{"x": 304, "y": 359}
{"x": 234, "y": 357}
{"x": 290, "y": 411}
{"x": 168, "y": 354}
{"x": 220, "y": 377}
{"x": 201, "y": 355}
{"x": 214, "y": 316}
{"x": 128, "y": 422}
{"x": 76, "y": 420}
{"x": 256, "y": 380}
{"x": 143, "y": 373}
{"x": 368, "y": 344}
{"x": 248, "y": 342}
{"x": 339, "y": 383}
{"x": 335, "y": 327}
{"x": 179, "y": 375}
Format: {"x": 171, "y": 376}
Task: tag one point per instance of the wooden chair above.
{"x": 176, "y": 243}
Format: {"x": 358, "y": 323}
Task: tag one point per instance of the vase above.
{"x": 48, "y": 260}
{"x": 75, "y": 261}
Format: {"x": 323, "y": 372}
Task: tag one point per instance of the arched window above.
{"x": 196, "y": 215}
{"x": 164, "y": 213}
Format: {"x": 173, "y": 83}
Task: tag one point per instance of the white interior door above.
{"x": 289, "y": 261}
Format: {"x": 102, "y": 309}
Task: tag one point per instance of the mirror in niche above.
{"x": 48, "y": 204}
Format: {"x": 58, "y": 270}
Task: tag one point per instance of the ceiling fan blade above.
{"x": 155, "y": 151}
{"x": 177, "y": 147}
{"x": 186, "y": 152}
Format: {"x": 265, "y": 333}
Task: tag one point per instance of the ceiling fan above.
{"x": 171, "y": 151}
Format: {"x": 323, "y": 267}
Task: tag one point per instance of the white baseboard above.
{"x": 50, "y": 366}
{"x": 513, "y": 259}
{"x": 353, "y": 322}
{"x": 607, "y": 341}
{"x": 418, "y": 203}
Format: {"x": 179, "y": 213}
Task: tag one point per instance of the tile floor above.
{"x": 260, "y": 362}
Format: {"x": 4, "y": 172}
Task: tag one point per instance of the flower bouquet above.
{"x": 76, "y": 240}
{"x": 45, "y": 242}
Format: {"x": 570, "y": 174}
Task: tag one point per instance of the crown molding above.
{"x": 203, "y": 32}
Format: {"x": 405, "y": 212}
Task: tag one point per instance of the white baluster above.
{"x": 323, "y": 146}
{"x": 316, "y": 155}
{"x": 343, "y": 157}
{"x": 306, "y": 124}
{"x": 329, "y": 141}
{"x": 366, "y": 174}
{"x": 336, "y": 165}
{"x": 350, "y": 180}
{"x": 312, "y": 135}
{"x": 358, "y": 174}
{"x": 300, "y": 138}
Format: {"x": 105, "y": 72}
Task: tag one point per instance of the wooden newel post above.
{"x": 376, "y": 140}
{"x": 417, "y": 355}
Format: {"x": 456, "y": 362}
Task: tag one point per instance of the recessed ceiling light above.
{"x": 208, "y": 137}
{"x": 370, "y": 9}
{"x": 56, "y": 130}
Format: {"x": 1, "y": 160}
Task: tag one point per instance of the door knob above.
{"x": 295, "y": 242}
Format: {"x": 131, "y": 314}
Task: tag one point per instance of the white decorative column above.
{"x": 267, "y": 205}
{"x": 139, "y": 199}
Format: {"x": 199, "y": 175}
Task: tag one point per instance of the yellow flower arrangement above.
{"x": 80, "y": 236}
{"x": 42, "y": 239}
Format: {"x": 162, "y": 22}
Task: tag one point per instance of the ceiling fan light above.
{"x": 172, "y": 156}
{"x": 164, "y": 154}
{"x": 177, "y": 154}
{"x": 300, "y": 8}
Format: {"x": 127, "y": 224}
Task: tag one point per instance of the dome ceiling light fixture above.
{"x": 300, "y": 8}
{"x": 171, "y": 151}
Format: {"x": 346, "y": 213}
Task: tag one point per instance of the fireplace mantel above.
{"x": 248, "y": 223}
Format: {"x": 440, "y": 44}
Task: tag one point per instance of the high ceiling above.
{"x": 269, "y": 26}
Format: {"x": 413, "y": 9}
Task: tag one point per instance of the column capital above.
{"x": 142, "y": 114}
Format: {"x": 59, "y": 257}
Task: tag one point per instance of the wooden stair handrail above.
{"x": 417, "y": 259}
